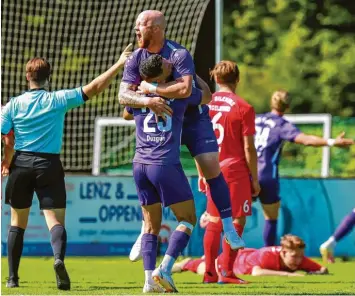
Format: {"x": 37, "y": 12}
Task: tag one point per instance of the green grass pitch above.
{"x": 117, "y": 275}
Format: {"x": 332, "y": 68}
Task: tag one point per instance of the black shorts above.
{"x": 36, "y": 172}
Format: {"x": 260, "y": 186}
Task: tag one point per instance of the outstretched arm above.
{"x": 258, "y": 271}
{"x": 311, "y": 140}
{"x": 101, "y": 82}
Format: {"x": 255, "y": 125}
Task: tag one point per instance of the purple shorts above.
{"x": 270, "y": 191}
{"x": 166, "y": 184}
{"x": 199, "y": 137}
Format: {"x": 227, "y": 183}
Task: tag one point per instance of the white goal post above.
{"x": 324, "y": 119}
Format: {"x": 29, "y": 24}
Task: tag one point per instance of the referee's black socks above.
{"x": 58, "y": 241}
{"x": 14, "y": 249}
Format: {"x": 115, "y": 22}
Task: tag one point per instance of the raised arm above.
{"x": 101, "y": 82}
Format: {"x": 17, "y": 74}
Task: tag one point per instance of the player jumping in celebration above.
{"x": 234, "y": 124}
{"x": 282, "y": 260}
{"x": 197, "y": 134}
{"x": 272, "y": 129}
{"x": 346, "y": 225}
{"x": 158, "y": 174}
{"x": 37, "y": 119}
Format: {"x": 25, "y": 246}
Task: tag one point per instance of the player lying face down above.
{"x": 283, "y": 260}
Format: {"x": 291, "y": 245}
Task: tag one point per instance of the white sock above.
{"x": 148, "y": 277}
{"x": 330, "y": 243}
{"x": 167, "y": 263}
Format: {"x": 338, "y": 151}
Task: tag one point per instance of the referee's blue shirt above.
{"x": 37, "y": 118}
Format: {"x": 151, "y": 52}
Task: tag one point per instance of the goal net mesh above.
{"x": 81, "y": 39}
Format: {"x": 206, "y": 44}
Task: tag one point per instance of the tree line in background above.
{"x": 306, "y": 47}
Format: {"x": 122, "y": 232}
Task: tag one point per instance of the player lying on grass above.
{"x": 197, "y": 132}
{"x": 344, "y": 228}
{"x": 272, "y": 129}
{"x": 282, "y": 260}
{"x": 37, "y": 119}
{"x": 159, "y": 177}
{"x": 234, "y": 125}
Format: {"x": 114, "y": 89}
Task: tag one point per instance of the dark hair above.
{"x": 39, "y": 70}
{"x": 151, "y": 67}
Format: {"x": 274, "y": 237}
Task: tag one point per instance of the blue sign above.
{"x": 104, "y": 216}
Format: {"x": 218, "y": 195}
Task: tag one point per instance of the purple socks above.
{"x": 345, "y": 227}
{"x": 269, "y": 234}
{"x": 149, "y": 250}
{"x": 220, "y": 195}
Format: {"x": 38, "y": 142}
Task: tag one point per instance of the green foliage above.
{"x": 305, "y": 47}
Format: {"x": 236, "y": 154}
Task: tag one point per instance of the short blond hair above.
{"x": 280, "y": 100}
{"x": 292, "y": 242}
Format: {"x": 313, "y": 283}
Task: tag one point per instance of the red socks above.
{"x": 211, "y": 243}
{"x": 229, "y": 255}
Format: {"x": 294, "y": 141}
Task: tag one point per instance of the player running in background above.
{"x": 37, "y": 119}
{"x": 282, "y": 260}
{"x": 234, "y": 124}
{"x": 159, "y": 176}
{"x": 344, "y": 228}
{"x": 272, "y": 129}
{"x": 197, "y": 134}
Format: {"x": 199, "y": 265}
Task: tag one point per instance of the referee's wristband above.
{"x": 153, "y": 87}
{"x": 330, "y": 142}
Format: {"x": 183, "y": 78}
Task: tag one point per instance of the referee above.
{"x": 37, "y": 119}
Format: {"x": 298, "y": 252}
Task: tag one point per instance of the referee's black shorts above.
{"x": 36, "y": 172}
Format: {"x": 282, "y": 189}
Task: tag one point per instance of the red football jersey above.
{"x": 232, "y": 118}
{"x": 267, "y": 258}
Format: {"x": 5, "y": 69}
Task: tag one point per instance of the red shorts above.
{"x": 240, "y": 193}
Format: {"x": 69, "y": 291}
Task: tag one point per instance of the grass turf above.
{"x": 117, "y": 275}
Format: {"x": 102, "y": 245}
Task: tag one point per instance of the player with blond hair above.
{"x": 283, "y": 260}
{"x": 272, "y": 129}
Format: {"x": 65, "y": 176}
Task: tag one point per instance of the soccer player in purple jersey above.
{"x": 271, "y": 131}
{"x": 158, "y": 174}
{"x": 198, "y": 133}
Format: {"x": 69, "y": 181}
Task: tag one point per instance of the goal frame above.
{"x": 324, "y": 119}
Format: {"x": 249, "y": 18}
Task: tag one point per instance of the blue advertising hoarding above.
{"x": 104, "y": 216}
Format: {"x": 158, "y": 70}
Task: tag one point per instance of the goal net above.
{"x": 123, "y": 151}
{"x": 81, "y": 39}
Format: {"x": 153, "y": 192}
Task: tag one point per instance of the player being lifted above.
{"x": 272, "y": 129}
{"x": 159, "y": 176}
{"x": 197, "y": 133}
{"x": 234, "y": 124}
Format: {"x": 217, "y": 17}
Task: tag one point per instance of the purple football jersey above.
{"x": 183, "y": 65}
{"x": 159, "y": 142}
{"x": 271, "y": 131}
